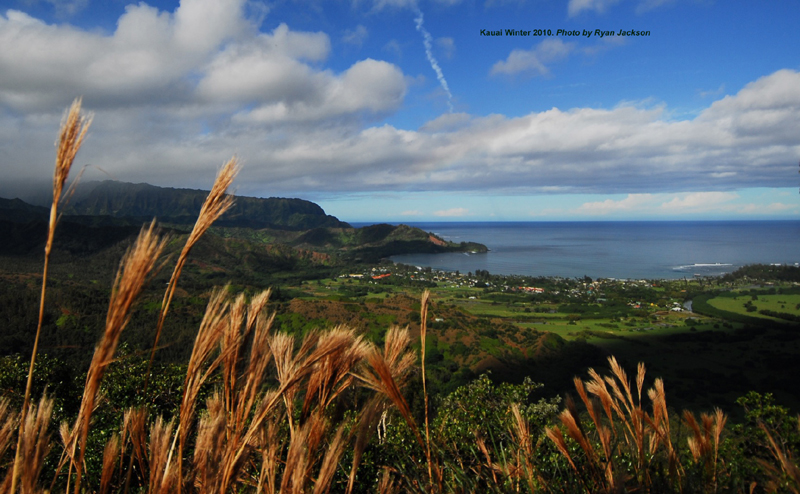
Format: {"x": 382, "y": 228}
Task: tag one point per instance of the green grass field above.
{"x": 778, "y": 303}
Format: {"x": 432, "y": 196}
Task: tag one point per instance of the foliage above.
{"x": 481, "y": 409}
{"x": 764, "y": 272}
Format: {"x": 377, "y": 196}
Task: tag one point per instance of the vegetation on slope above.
{"x": 181, "y": 206}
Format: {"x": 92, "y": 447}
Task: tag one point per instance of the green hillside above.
{"x": 181, "y": 206}
{"x": 102, "y": 214}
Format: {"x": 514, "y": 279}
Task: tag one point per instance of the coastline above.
{"x": 619, "y": 250}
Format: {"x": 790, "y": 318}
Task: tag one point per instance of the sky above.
{"x": 410, "y": 110}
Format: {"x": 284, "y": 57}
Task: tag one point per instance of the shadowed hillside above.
{"x": 120, "y": 199}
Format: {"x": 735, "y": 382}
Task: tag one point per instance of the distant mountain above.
{"x": 19, "y": 211}
{"x": 181, "y": 206}
{"x": 102, "y": 214}
{"x": 371, "y": 243}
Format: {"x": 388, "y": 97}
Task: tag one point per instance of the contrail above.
{"x": 427, "y": 40}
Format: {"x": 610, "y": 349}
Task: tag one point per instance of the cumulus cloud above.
{"x": 533, "y": 61}
{"x": 205, "y": 54}
{"x": 270, "y": 74}
{"x": 744, "y": 140}
{"x": 169, "y": 88}
{"x": 447, "y": 122}
{"x": 150, "y": 53}
{"x": 176, "y": 93}
{"x": 368, "y": 86}
{"x": 268, "y": 67}
{"x": 627, "y": 149}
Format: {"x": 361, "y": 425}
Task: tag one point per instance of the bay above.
{"x": 624, "y": 249}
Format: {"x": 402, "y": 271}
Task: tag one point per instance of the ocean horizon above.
{"x": 613, "y": 249}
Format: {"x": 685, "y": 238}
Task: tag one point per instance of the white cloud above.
{"x": 687, "y": 203}
{"x": 368, "y": 86}
{"x": 176, "y": 93}
{"x": 626, "y": 149}
{"x": 699, "y": 201}
{"x": 454, "y": 212}
{"x": 447, "y": 122}
{"x": 204, "y": 54}
{"x": 533, "y": 61}
{"x": 150, "y": 53}
{"x": 269, "y": 67}
{"x": 775, "y": 207}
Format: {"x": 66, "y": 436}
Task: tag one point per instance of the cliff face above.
{"x": 181, "y": 206}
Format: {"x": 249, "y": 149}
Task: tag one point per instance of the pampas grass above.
{"x": 626, "y": 431}
{"x": 622, "y": 427}
{"x": 705, "y": 440}
{"x": 34, "y": 444}
{"x": 134, "y": 270}
{"x": 423, "y": 332}
{"x": 786, "y": 474}
{"x": 110, "y": 454}
{"x": 73, "y": 130}
{"x": 215, "y": 205}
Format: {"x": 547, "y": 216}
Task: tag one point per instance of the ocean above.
{"x": 618, "y": 249}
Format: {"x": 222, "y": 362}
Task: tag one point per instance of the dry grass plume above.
{"x": 73, "y": 130}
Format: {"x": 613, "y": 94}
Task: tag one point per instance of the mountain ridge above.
{"x": 181, "y": 206}
{"x": 102, "y": 213}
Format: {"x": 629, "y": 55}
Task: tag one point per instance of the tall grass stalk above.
{"x": 423, "y": 332}
{"x": 215, "y": 205}
{"x": 622, "y": 428}
{"x": 788, "y": 477}
{"x": 242, "y": 417}
{"x": 73, "y": 130}
{"x": 134, "y": 271}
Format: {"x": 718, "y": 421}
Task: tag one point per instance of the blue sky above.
{"x": 401, "y": 110}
